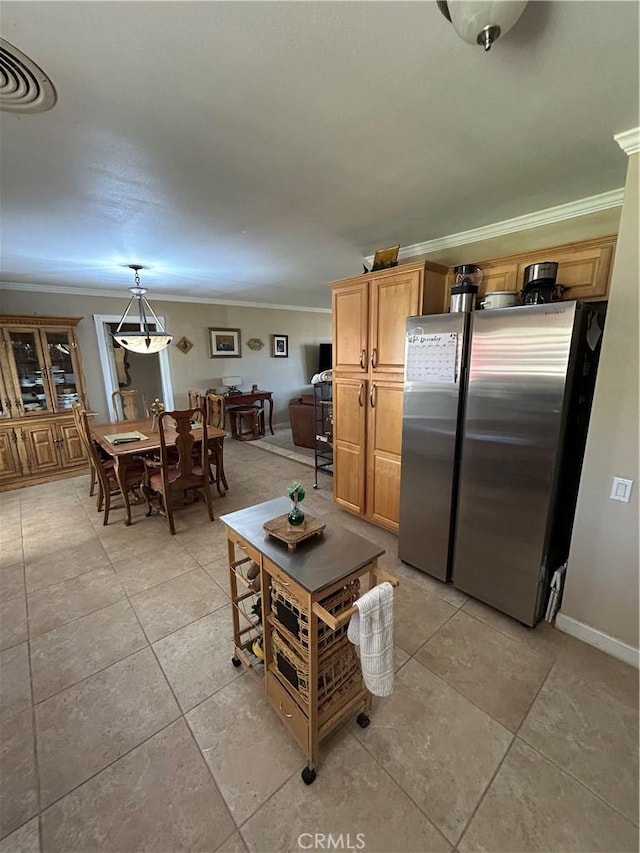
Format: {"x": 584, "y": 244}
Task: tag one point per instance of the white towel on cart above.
{"x": 371, "y": 629}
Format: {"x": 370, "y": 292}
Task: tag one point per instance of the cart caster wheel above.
{"x": 236, "y": 662}
{"x": 308, "y": 775}
{"x": 363, "y": 721}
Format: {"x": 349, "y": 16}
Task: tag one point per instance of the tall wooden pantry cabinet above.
{"x": 40, "y": 377}
{"x": 368, "y": 314}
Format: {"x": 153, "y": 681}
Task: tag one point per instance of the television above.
{"x": 325, "y": 356}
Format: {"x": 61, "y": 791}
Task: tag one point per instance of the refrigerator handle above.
{"x": 372, "y": 395}
{"x": 360, "y": 396}
{"x": 363, "y": 358}
{"x": 374, "y": 358}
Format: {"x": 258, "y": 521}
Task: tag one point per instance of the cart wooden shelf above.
{"x": 299, "y": 614}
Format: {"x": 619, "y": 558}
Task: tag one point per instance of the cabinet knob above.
{"x": 363, "y": 358}
{"x": 360, "y": 395}
{"x": 374, "y": 358}
{"x": 372, "y": 395}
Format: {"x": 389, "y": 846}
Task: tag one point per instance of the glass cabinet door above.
{"x": 32, "y": 394}
{"x": 6, "y": 402}
{"x": 62, "y": 366}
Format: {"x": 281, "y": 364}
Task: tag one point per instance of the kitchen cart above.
{"x": 290, "y": 615}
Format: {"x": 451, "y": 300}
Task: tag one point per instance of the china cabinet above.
{"x": 40, "y": 377}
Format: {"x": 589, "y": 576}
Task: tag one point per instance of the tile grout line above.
{"x": 508, "y": 750}
{"x": 183, "y": 717}
{"x": 399, "y": 785}
{"x": 36, "y": 761}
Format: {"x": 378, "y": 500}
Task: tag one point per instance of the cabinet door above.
{"x": 26, "y": 362}
{"x": 350, "y": 309}
{"x": 586, "y": 272}
{"x": 349, "y": 420}
{"x": 39, "y": 450}
{"x": 393, "y": 299}
{"x": 71, "y": 449}
{"x": 7, "y": 403}
{"x": 10, "y": 467}
{"x": 384, "y": 442}
{"x": 59, "y": 348}
{"x": 499, "y": 277}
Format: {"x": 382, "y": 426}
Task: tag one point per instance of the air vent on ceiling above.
{"x": 24, "y": 87}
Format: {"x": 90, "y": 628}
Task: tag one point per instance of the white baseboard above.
{"x": 613, "y": 647}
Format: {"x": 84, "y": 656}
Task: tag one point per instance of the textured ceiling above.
{"x": 255, "y": 150}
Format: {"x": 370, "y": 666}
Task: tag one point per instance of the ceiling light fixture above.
{"x": 482, "y": 21}
{"x": 145, "y": 340}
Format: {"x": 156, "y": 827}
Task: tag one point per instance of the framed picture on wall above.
{"x": 224, "y": 343}
{"x": 280, "y": 346}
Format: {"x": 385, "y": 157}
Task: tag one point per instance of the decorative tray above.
{"x": 280, "y": 529}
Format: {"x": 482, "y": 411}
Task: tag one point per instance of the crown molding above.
{"x": 629, "y": 141}
{"x": 581, "y": 207}
{"x": 157, "y": 297}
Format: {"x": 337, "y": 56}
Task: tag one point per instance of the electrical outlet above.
{"x": 621, "y": 490}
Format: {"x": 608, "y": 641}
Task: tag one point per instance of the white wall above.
{"x": 285, "y": 377}
{"x": 602, "y": 579}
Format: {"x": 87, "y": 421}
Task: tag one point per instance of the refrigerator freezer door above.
{"x": 517, "y": 376}
{"x": 429, "y": 435}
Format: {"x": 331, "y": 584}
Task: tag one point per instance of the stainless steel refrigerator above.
{"x": 493, "y": 441}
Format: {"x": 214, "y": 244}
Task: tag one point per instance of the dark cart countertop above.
{"x": 316, "y": 563}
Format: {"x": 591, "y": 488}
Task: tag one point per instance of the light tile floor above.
{"x": 124, "y": 726}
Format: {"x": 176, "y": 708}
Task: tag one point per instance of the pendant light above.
{"x": 482, "y": 21}
{"x": 144, "y": 341}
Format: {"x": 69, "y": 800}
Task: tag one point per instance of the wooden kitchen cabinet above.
{"x": 369, "y": 314}
{"x": 350, "y": 310}
{"x": 349, "y": 442}
{"x": 369, "y": 321}
{"x": 584, "y": 269}
{"x": 384, "y": 452}
{"x": 41, "y": 375}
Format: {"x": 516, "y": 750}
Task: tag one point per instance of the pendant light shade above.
{"x": 142, "y": 340}
{"x": 482, "y": 21}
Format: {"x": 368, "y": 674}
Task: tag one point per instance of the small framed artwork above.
{"x": 280, "y": 346}
{"x": 184, "y": 345}
{"x": 224, "y": 343}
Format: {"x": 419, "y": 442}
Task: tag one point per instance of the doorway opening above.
{"x": 123, "y": 369}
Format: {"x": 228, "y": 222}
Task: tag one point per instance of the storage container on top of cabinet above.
{"x": 40, "y": 377}
{"x": 369, "y": 316}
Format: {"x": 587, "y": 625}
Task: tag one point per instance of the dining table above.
{"x": 124, "y": 453}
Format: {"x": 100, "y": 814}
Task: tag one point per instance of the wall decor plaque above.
{"x": 255, "y": 343}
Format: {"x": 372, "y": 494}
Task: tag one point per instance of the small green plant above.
{"x": 296, "y": 492}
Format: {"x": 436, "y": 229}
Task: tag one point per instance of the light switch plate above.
{"x": 621, "y": 490}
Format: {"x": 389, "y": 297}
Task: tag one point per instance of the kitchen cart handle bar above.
{"x": 335, "y": 622}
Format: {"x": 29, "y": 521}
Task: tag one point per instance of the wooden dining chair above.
{"x": 215, "y": 408}
{"x": 130, "y": 405}
{"x": 108, "y": 486}
{"x": 188, "y": 472}
{"x": 195, "y": 400}
{"x": 76, "y": 409}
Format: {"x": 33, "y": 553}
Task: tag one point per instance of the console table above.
{"x": 250, "y": 398}
{"x": 290, "y": 614}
